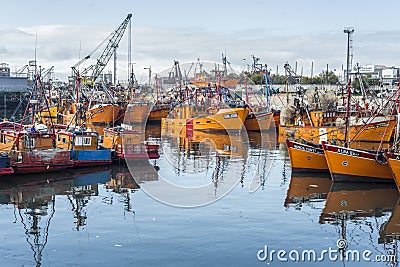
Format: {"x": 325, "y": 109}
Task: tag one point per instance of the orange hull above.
{"x": 232, "y": 83}
{"x": 158, "y": 114}
{"x": 259, "y": 122}
{"x": 394, "y": 164}
{"x": 106, "y": 113}
{"x": 277, "y": 118}
{"x": 136, "y": 114}
{"x": 374, "y": 132}
{"x": 353, "y": 165}
{"x": 230, "y": 119}
{"x": 305, "y": 158}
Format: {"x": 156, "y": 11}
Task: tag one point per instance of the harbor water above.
{"x": 108, "y": 216}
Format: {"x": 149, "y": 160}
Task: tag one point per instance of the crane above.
{"x": 113, "y": 40}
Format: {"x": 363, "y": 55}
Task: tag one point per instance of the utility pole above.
{"x": 149, "y": 68}
{"x": 349, "y": 31}
{"x": 312, "y": 68}
{"x": 327, "y": 71}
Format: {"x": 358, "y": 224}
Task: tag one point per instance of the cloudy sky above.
{"x": 164, "y": 31}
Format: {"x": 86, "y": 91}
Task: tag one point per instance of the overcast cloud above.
{"x": 166, "y": 31}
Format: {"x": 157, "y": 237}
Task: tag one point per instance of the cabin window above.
{"x": 64, "y": 140}
{"x": 58, "y": 138}
{"x": 106, "y": 134}
{"x": 29, "y": 142}
{"x": 83, "y": 141}
{"x": 230, "y": 148}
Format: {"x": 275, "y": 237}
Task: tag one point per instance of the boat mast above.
{"x": 266, "y": 89}
{"x": 349, "y": 31}
{"x": 347, "y": 124}
{"x": 247, "y": 90}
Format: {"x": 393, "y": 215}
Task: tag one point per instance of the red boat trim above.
{"x": 42, "y": 168}
{"x": 349, "y": 151}
{"x": 6, "y": 171}
{"x": 304, "y": 147}
{"x": 90, "y": 163}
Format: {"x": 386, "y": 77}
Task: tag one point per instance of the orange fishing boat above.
{"x": 277, "y": 118}
{"x": 136, "y": 113}
{"x": 103, "y": 113}
{"x": 158, "y": 112}
{"x": 229, "y": 82}
{"x": 355, "y": 165}
{"x": 31, "y": 149}
{"x": 306, "y": 158}
{"x": 371, "y": 132}
{"x": 197, "y": 142}
{"x": 394, "y": 164}
{"x": 128, "y": 143}
{"x": 226, "y": 119}
{"x": 262, "y": 121}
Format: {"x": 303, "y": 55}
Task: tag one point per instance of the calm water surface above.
{"x": 100, "y": 217}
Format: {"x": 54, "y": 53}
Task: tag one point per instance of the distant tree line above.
{"x": 323, "y": 78}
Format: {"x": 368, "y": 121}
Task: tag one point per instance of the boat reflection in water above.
{"x": 126, "y": 182}
{"x": 355, "y": 200}
{"x": 390, "y": 231}
{"x": 357, "y": 210}
{"x": 34, "y": 196}
{"x": 307, "y": 189}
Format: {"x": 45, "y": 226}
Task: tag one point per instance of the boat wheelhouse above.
{"x": 84, "y": 146}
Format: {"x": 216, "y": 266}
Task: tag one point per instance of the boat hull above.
{"x": 136, "y": 114}
{"x": 305, "y": 158}
{"x": 156, "y": 115}
{"x": 41, "y": 161}
{"x": 223, "y": 120}
{"x": 89, "y": 158}
{"x": 373, "y": 132}
{"x": 6, "y": 171}
{"x": 103, "y": 114}
{"x": 394, "y": 164}
{"x": 39, "y": 168}
{"x": 353, "y": 165}
{"x": 137, "y": 151}
{"x": 259, "y": 122}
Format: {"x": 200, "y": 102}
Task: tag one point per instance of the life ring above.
{"x": 380, "y": 158}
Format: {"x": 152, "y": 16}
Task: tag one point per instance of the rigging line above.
{"x": 48, "y": 226}
{"x": 388, "y": 123}
{"x": 27, "y": 234}
{"x": 366, "y": 123}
